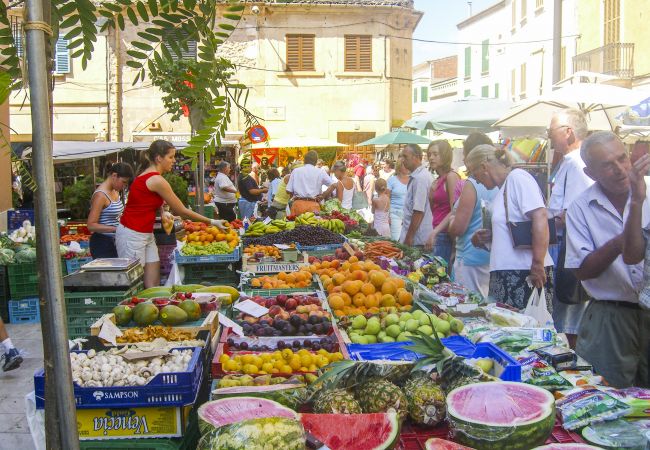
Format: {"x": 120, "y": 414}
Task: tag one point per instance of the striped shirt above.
{"x": 111, "y": 214}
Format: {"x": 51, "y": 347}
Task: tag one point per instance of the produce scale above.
{"x": 310, "y": 333}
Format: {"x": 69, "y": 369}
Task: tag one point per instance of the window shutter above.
{"x": 485, "y": 91}
{"x": 485, "y": 57}
{"x": 61, "y": 57}
{"x": 496, "y": 90}
{"x": 300, "y": 52}
{"x": 468, "y": 62}
{"x": 523, "y": 9}
{"x": 415, "y": 95}
{"x": 358, "y": 53}
{"x": 522, "y": 81}
{"x": 174, "y": 39}
{"x": 424, "y": 94}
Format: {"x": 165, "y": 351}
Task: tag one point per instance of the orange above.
{"x": 282, "y": 276}
{"x": 399, "y": 282}
{"x": 373, "y": 310}
{"x": 388, "y": 287}
{"x": 255, "y": 282}
{"x": 291, "y": 278}
{"x": 345, "y": 266}
{"x": 387, "y": 300}
{"x": 335, "y": 264}
{"x": 336, "y": 302}
{"x": 267, "y": 285}
{"x": 351, "y": 287}
{"x": 377, "y": 278}
{"x": 338, "y": 278}
{"x": 347, "y": 300}
{"x": 338, "y": 313}
{"x": 360, "y": 275}
{"x": 359, "y": 299}
{"x": 368, "y": 288}
{"x": 404, "y": 297}
{"x": 353, "y": 259}
{"x": 370, "y": 301}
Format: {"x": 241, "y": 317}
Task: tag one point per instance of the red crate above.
{"x": 415, "y": 438}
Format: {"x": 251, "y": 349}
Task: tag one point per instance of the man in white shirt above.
{"x": 615, "y": 331}
{"x": 566, "y": 132}
{"x": 305, "y": 185}
{"x": 417, "y": 224}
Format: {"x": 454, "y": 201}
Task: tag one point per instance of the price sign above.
{"x": 226, "y": 322}
{"x": 251, "y": 308}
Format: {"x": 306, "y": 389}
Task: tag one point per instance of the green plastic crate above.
{"x": 23, "y": 279}
{"x": 212, "y": 273}
{"x": 4, "y": 294}
{"x": 79, "y": 326}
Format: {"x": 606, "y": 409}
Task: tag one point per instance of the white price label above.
{"x": 282, "y": 246}
{"x": 251, "y": 308}
{"x": 267, "y": 221}
{"x": 226, "y": 322}
{"x": 109, "y": 332}
{"x": 466, "y": 307}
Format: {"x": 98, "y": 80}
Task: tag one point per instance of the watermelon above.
{"x": 573, "y": 446}
{"x": 441, "y": 444}
{"x": 219, "y": 413}
{"x": 289, "y": 395}
{"x": 377, "y": 431}
{"x": 501, "y": 415}
{"x": 153, "y": 292}
{"x": 277, "y": 433}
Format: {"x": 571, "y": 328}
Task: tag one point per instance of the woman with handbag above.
{"x": 519, "y": 235}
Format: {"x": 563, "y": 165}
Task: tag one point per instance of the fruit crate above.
{"x": 23, "y": 279}
{"x": 315, "y": 287}
{"x": 26, "y": 310}
{"x": 82, "y": 303}
{"x": 79, "y": 327}
{"x": 202, "y": 259}
{"x": 4, "y": 294}
{"x": 211, "y": 273}
{"x": 73, "y": 265}
{"x": 165, "y": 389}
{"x": 414, "y": 437}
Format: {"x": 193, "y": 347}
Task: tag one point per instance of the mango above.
{"x": 192, "y": 308}
{"x": 172, "y": 315}
{"x": 144, "y": 314}
{"x": 123, "y": 315}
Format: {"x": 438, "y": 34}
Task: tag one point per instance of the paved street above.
{"x": 14, "y": 385}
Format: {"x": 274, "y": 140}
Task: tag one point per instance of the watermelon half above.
{"x": 441, "y": 444}
{"x": 376, "y": 431}
{"x": 218, "y": 413}
{"x": 567, "y": 447}
{"x": 499, "y": 415}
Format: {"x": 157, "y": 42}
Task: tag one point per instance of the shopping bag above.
{"x": 359, "y": 201}
{"x": 536, "y": 308}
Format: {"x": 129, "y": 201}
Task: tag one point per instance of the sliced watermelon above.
{"x": 499, "y": 415}
{"x": 219, "y": 413}
{"x": 289, "y": 395}
{"x": 354, "y": 431}
{"x": 574, "y": 446}
{"x": 441, "y": 444}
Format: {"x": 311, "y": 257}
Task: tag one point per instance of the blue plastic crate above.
{"x": 24, "y": 311}
{"x": 320, "y": 248}
{"x": 228, "y": 257}
{"x": 73, "y": 265}
{"x": 16, "y": 217}
{"x": 165, "y": 389}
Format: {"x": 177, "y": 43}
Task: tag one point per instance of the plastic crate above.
{"x": 81, "y": 302}
{"x": 74, "y": 264}
{"x": 24, "y": 311}
{"x": 321, "y": 248}
{"x": 80, "y": 326}
{"x": 203, "y": 259}
{"x": 23, "y": 279}
{"x": 211, "y": 273}
{"x": 165, "y": 389}
{"x": 16, "y": 217}
{"x": 4, "y": 294}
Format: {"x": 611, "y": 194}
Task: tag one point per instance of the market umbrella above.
{"x": 462, "y": 116}
{"x": 298, "y": 142}
{"x": 601, "y": 103}
{"x": 396, "y": 138}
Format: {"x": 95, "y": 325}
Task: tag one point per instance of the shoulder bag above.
{"x": 522, "y": 232}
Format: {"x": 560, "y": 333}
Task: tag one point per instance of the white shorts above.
{"x": 133, "y": 244}
{"x": 475, "y": 278}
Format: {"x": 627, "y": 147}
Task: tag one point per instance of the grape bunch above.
{"x": 213, "y": 248}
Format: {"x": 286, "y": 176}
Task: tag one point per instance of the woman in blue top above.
{"x": 107, "y": 205}
{"x": 472, "y": 264}
{"x": 397, "y": 185}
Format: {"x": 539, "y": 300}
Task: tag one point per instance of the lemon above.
{"x": 306, "y": 360}
{"x": 313, "y": 368}
{"x": 295, "y": 362}
{"x": 257, "y": 361}
{"x": 277, "y": 355}
{"x": 247, "y": 359}
{"x": 223, "y": 359}
{"x": 250, "y": 369}
{"x": 267, "y": 367}
{"x": 275, "y": 370}
{"x": 286, "y": 369}
{"x": 303, "y": 351}
{"x": 232, "y": 366}
{"x": 287, "y": 353}
{"x": 304, "y": 369}
{"x": 322, "y": 361}
{"x": 323, "y": 352}
{"x": 266, "y": 357}
{"x": 278, "y": 364}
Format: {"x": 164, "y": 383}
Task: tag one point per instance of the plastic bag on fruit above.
{"x": 256, "y": 434}
{"x": 536, "y": 308}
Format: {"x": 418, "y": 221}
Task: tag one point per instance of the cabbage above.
{"x": 6, "y": 256}
{"x": 63, "y": 250}
{"x": 26, "y": 255}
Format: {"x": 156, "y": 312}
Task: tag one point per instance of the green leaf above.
{"x": 112, "y": 7}
{"x": 136, "y": 54}
{"x": 236, "y": 8}
{"x": 232, "y": 17}
{"x": 142, "y": 46}
{"x": 226, "y": 26}
{"x": 70, "y": 21}
{"x": 77, "y": 53}
{"x": 108, "y": 14}
{"x": 142, "y": 10}
{"x": 148, "y": 37}
{"x": 189, "y": 4}
{"x": 67, "y": 8}
{"x": 153, "y": 7}
{"x": 134, "y": 64}
{"x": 120, "y": 22}
{"x": 132, "y": 17}
{"x": 156, "y": 31}
{"x": 73, "y": 33}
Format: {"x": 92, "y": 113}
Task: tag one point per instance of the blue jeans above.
{"x": 442, "y": 247}
{"x": 246, "y": 208}
{"x": 395, "y": 225}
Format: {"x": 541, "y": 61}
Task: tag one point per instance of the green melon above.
{"x": 501, "y": 415}
{"x": 155, "y": 292}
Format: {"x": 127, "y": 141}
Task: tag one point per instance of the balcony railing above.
{"x": 612, "y": 59}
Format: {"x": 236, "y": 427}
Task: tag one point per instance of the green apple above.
{"x": 393, "y": 331}
{"x": 359, "y": 322}
{"x": 391, "y": 319}
{"x": 426, "y": 329}
{"x": 412, "y": 325}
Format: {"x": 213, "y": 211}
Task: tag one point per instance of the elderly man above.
{"x": 417, "y": 223}
{"x": 614, "y": 331}
{"x": 566, "y": 132}
{"x": 305, "y": 185}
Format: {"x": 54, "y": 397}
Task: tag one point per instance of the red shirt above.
{"x": 141, "y": 206}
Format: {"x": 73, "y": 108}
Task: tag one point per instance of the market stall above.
{"x": 308, "y": 332}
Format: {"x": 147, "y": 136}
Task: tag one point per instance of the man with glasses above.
{"x": 566, "y": 132}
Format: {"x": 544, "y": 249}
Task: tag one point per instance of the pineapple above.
{"x": 336, "y": 401}
{"x": 426, "y": 400}
{"x": 379, "y": 395}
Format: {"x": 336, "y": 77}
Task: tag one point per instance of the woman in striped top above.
{"x": 107, "y": 205}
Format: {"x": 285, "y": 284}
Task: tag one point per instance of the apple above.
{"x": 291, "y": 304}
{"x": 282, "y": 299}
{"x": 275, "y": 310}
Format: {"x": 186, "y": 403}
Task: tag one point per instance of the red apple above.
{"x": 291, "y": 304}
{"x": 275, "y": 310}
{"x": 282, "y": 299}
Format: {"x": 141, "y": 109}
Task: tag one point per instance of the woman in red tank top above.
{"x": 149, "y": 191}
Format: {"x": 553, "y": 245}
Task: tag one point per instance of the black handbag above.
{"x": 522, "y": 232}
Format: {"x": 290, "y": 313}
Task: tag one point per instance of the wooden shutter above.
{"x": 358, "y": 53}
{"x": 61, "y": 56}
{"x": 300, "y": 52}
